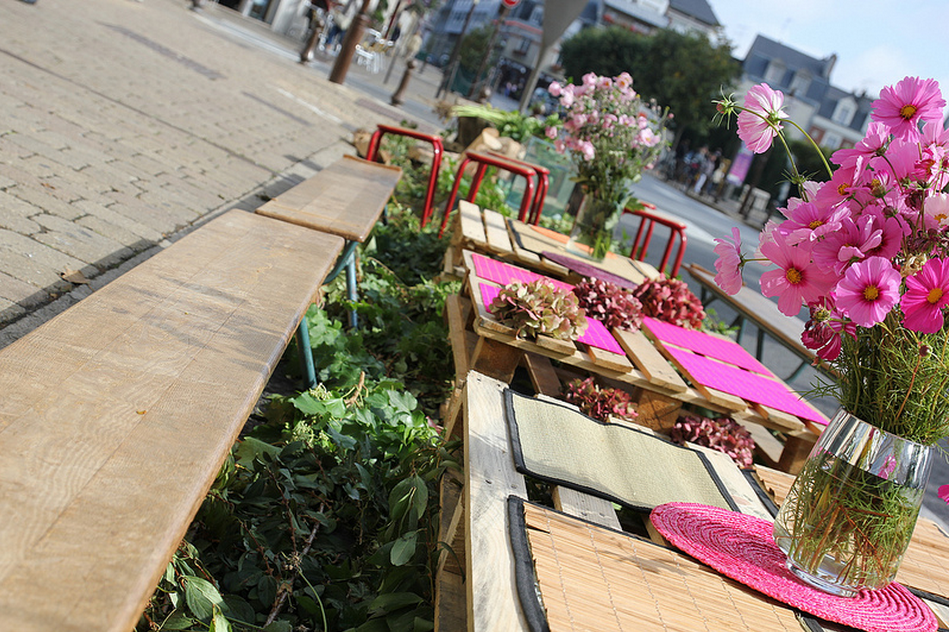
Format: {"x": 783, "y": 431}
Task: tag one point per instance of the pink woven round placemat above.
{"x": 740, "y": 546}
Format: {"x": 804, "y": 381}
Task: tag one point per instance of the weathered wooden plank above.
{"x": 496, "y": 231}
{"x": 597, "y": 510}
{"x": 344, "y": 199}
{"x": 653, "y": 365}
{"x": 608, "y": 359}
{"x": 472, "y": 226}
{"x": 120, "y": 410}
{"x": 542, "y": 374}
{"x": 493, "y": 604}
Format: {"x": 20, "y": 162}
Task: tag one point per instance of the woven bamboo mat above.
{"x": 926, "y": 563}
{"x": 591, "y": 578}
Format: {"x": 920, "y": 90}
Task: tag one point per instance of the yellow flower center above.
{"x": 842, "y": 189}
{"x": 907, "y": 111}
{"x": 934, "y": 295}
{"x": 816, "y": 223}
{"x": 941, "y": 217}
{"x": 793, "y": 276}
{"x": 871, "y": 293}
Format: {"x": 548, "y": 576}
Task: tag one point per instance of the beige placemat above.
{"x": 635, "y": 468}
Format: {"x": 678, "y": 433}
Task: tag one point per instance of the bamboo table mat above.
{"x": 592, "y": 578}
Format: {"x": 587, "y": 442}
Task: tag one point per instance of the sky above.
{"x": 877, "y": 42}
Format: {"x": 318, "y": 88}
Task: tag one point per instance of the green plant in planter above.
{"x": 539, "y": 308}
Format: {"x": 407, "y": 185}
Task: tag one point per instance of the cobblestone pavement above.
{"x": 124, "y": 123}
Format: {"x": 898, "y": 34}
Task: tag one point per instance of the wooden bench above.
{"x": 346, "y": 199}
{"x": 117, "y": 414}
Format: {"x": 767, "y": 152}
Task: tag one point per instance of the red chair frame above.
{"x": 647, "y": 223}
{"x": 484, "y": 161}
{"x": 438, "y": 149}
{"x": 543, "y": 184}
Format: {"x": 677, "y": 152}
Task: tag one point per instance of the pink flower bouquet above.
{"x": 867, "y": 252}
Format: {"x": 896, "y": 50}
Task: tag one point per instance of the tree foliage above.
{"x": 683, "y": 72}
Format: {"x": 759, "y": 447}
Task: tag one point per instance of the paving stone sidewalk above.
{"x": 122, "y": 124}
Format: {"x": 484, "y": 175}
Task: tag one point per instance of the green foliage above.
{"x": 683, "y": 72}
{"x": 474, "y": 48}
{"x": 513, "y": 124}
{"x": 325, "y": 515}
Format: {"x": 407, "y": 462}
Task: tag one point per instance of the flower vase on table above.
{"x": 612, "y": 137}
{"x": 850, "y": 513}
{"x": 592, "y": 232}
{"x": 867, "y": 252}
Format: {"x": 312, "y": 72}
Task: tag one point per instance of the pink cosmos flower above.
{"x": 808, "y": 222}
{"x": 927, "y": 293}
{"x": 868, "y": 291}
{"x": 551, "y": 133}
{"x": 729, "y": 263}
{"x": 871, "y": 145}
{"x": 944, "y": 492}
{"x": 936, "y": 211}
{"x": 825, "y": 328}
{"x": 797, "y": 280}
{"x": 903, "y": 106}
{"x": 554, "y": 89}
{"x": 761, "y": 121}
{"x": 854, "y": 240}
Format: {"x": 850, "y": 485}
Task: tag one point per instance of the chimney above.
{"x": 829, "y": 63}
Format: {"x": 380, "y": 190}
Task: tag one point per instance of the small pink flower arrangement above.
{"x": 867, "y": 252}
{"x": 610, "y": 132}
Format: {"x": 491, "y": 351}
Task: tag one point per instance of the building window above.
{"x": 817, "y": 134}
{"x": 523, "y": 46}
{"x": 800, "y": 83}
{"x": 832, "y": 140}
{"x": 775, "y": 72}
{"x": 844, "y": 112}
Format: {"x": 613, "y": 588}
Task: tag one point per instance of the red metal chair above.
{"x": 647, "y": 223}
{"x": 438, "y": 149}
{"x": 484, "y": 161}
{"x": 543, "y": 184}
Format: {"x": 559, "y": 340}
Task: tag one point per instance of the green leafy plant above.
{"x": 609, "y": 304}
{"x": 671, "y": 301}
{"x": 512, "y": 124}
{"x": 600, "y": 402}
{"x": 539, "y": 308}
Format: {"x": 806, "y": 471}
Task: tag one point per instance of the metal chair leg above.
{"x": 306, "y": 354}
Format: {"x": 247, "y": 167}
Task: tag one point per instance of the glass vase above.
{"x": 850, "y": 513}
{"x": 592, "y": 233}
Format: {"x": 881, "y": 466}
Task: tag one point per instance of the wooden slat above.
{"x": 450, "y": 612}
{"x": 345, "y": 199}
{"x": 778, "y": 418}
{"x": 526, "y": 256}
{"x": 542, "y": 374}
{"x": 608, "y": 359}
{"x": 493, "y": 605}
{"x": 653, "y": 365}
{"x": 119, "y": 412}
{"x": 496, "y": 231}
{"x": 457, "y": 338}
{"x": 472, "y": 226}
{"x": 597, "y": 510}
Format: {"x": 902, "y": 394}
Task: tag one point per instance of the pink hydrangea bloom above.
{"x": 903, "y": 106}
{"x": 927, "y": 294}
{"x": 868, "y": 291}
{"x": 760, "y": 122}
{"x": 797, "y": 280}
{"x": 728, "y": 263}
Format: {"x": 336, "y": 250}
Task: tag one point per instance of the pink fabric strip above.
{"x": 711, "y": 346}
{"x": 504, "y": 273}
{"x": 745, "y": 384}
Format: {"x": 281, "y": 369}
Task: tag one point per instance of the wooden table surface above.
{"x": 489, "y": 589}
{"x": 344, "y": 199}
{"x": 488, "y": 232}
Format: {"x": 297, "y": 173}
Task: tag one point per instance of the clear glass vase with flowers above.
{"x": 612, "y": 135}
{"x": 867, "y": 253}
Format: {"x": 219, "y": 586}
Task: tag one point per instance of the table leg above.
{"x": 351, "y": 293}
{"x": 306, "y": 353}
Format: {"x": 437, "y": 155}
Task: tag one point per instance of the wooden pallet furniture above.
{"x": 488, "y": 232}
{"x": 346, "y": 199}
{"x": 590, "y": 574}
{"x": 644, "y": 366}
{"x": 117, "y": 414}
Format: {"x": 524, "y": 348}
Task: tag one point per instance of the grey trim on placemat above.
{"x": 761, "y": 492}
{"x": 524, "y": 577}
{"x": 577, "y": 482}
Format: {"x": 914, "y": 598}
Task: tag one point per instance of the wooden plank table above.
{"x": 662, "y": 391}
{"x": 345, "y": 199}
{"x": 664, "y": 590}
{"x": 488, "y": 232}
{"x": 117, "y": 414}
